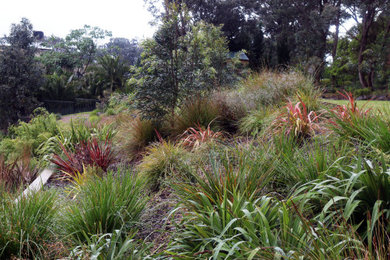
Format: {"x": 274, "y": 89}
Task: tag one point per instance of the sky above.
{"x": 124, "y": 18}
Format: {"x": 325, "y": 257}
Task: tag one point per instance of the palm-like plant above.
{"x": 111, "y": 71}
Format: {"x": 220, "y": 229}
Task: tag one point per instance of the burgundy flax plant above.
{"x": 93, "y": 152}
{"x": 298, "y": 121}
{"x": 195, "y": 137}
{"x": 16, "y": 173}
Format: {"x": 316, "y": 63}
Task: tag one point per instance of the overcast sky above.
{"x": 124, "y": 18}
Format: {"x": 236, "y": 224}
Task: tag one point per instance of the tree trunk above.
{"x": 336, "y": 39}
{"x": 368, "y": 19}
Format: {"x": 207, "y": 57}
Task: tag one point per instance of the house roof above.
{"x": 241, "y": 55}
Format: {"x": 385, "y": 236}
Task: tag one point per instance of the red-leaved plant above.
{"x": 194, "y": 137}
{"x": 16, "y": 173}
{"x": 92, "y": 153}
{"x": 297, "y": 120}
{"x": 345, "y": 112}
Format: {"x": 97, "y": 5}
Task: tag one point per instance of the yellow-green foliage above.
{"x": 27, "y": 137}
{"x": 255, "y": 121}
{"x": 273, "y": 88}
{"x": 164, "y": 160}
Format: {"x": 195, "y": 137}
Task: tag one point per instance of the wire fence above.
{"x": 70, "y": 107}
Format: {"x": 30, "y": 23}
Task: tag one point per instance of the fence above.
{"x": 70, "y": 107}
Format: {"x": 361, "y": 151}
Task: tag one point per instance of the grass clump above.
{"x": 254, "y": 122}
{"x": 136, "y": 134}
{"x": 272, "y": 88}
{"x": 164, "y": 161}
{"x": 114, "y": 246}
{"x": 198, "y": 112}
{"x": 26, "y": 224}
{"x": 105, "y": 204}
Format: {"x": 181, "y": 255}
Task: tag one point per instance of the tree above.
{"x": 75, "y": 53}
{"x": 238, "y": 19}
{"x": 368, "y": 12}
{"x": 111, "y": 72}
{"x": 129, "y": 52}
{"x": 21, "y": 75}
{"x": 181, "y": 60}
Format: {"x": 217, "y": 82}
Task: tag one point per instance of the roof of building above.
{"x": 241, "y": 55}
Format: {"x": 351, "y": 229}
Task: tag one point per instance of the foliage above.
{"x": 181, "y": 60}
{"x": 136, "y": 134}
{"x": 244, "y": 173}
{"x": 76, "y": 52}
{"x": 163, "y": 163}
{"x": 230, "y": 111}
{"x": 261, "y": 229}
{"x": 355, "y": 124}
{"x": 26, "y": 138}
{"x": 195, "y": 137}
{"x": 21, "y": 75}
{"x": 297, "y": 121}
{"x": 128, "y": 51}
{"x": 359, "y": 196}
{"x": 197, "y": 112}
{"x": 27, "y": 224}
{"x": 345, "y": 112}
{"x": 110, "y": 246}
{"x": 312, "y": 161}
{"x": 94, "y": 153}
{"x": 273, "y": 88}
{"x": 105, "y": 204}
{"x": 254, "y": 122}
{"x": 112, "y": 73}
{"x": 16, "y": 174}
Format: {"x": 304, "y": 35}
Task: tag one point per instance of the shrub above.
{"x": 195, "y": 137}
{"x": 297, "y": 121}
{"x": 105, "y": 204}
{"x": 230, "y": 110}
{"x": 164, "y": 160}
{"x": 17, "y": 173}
{"x": 254, "y": 122}
{"x": 92, "y": 153}
{"x": 346, "y": 112}
{"x": 272, "y": 88}
{"x": 198, "y": 112}
{"x": 359, "y": 196}
{"x": 261, "y": 229}
{"x": 27, "y": 137}
{"x": 111, "y": 246}
{"x": 136, "y": 134}
{"x": 312, "y": 161}
{"x": 355, "y": 124}
{"x": 311, "y": 97}
{"x": 26, "y": 224}
{"x": 242, "y": 172}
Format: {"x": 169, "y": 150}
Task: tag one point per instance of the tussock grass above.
{"x": 105, "y": 204}
{"x": 27, "y": 224}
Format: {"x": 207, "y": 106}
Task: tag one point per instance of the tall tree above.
{"x": 76, "y": 52}
{"x": 182, "y": 59}
{"x": 367, "y": 12}
{"x": 20, "y": 75}
{"x": 129, "y": 52}
{"x": 300, "y": 29}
